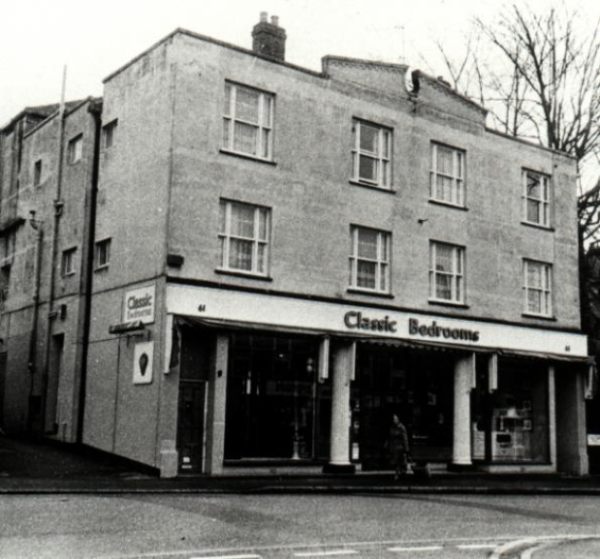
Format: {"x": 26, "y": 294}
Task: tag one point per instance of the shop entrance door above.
{"x": 191, "y": 425}
{"x": 194, "y": 374}
{"x": 415, "y": 385}
{"x": 275, "y": 406}
{"x": 2, "y": 385}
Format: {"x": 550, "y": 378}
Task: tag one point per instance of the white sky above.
{"x": 37, "y": 37}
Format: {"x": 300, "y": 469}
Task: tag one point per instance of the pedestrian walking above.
{"x": 398, "y": 446}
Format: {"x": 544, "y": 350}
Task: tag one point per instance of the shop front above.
{"x": 286, "y": 382}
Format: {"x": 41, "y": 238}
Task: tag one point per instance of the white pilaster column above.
{"x": 343, "y": 371}
{"x": 217, "y": 391}
{"x": 464, "y": 380}
{"x": 552, "y": 414}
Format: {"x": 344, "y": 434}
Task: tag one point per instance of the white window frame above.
{"x": 226, "y": 236}
{"x": 382, "y": 157}
{"x": 543, "y": 200}
{"x": 457, "y": 273}
{"x": 75, "y": 149}
{"x": 263, "y": 126}
{"x": 67, "y": 265}
{"x": 457, "y": 176}
{"x": 102, "y": 246}
{"x": 382, "y": 261}
{"x": 544, "y": 289}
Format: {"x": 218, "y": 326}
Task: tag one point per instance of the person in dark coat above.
{"x": 398, "y": 446}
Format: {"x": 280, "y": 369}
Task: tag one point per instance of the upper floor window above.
{"x": 447, "y": 176}
{"x": 371, "y": 154}
{"x": 537, "y": 288}
{"x": 446, "y": 272}
{"x": 536, "y": 198}
{"x": 244, "y": 235}
{"x": 370, "y": 259}
{"x": 37, "y": 173}
{"x": 75, "y": 149}
{"x": 67, "y": 267}
{"x": 109, "y": 130}
{"x": 248, "y": 121}
{"x": 102, "y": 254}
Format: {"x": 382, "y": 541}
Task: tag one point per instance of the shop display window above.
{"x": 519, "y": 414}
{"x": 277, "y": 408}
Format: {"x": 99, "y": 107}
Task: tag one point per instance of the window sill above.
{"x": 247, "y": 156}
{"x": 101, "y": 268}
{"x": 537, "y": 226}
{"x": 448, "y": 204}
{"x": 71, "y": 163}
{"x": 539, "y": 316}
{"x": 68, "y": 275}
{"x": 445, "y": 303}
{"x": 358, "y": 291}
{"x": 385, "y": 189}
{"x": 242, "y": 274}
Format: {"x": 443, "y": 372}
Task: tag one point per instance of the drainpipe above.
{"x": 58, "y": 205}
{"x": 96, "y": 111}
{"x": 32, "y": 361}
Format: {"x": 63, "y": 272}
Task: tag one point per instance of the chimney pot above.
{"x": 268, "y": 39}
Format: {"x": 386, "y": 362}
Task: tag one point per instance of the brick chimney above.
{"x": 268, "y": 39}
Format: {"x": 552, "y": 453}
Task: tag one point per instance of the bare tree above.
{"x": 544, "y": 85}
{"x": 561, "y": 71}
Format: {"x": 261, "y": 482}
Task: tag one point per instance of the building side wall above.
{"x": 122, "y": 417}
{"x": 134, "y": 172}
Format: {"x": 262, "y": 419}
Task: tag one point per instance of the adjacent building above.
{"x": 273, "y": 261}
{"x": 47, "y": 172}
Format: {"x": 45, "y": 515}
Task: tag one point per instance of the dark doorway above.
{"x": 55, "y": 367}
{"x": 2, "y": 386}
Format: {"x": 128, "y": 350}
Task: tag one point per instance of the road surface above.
{"x": 394, "y": 526}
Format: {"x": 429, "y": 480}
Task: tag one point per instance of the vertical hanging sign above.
{"x": 142, "y": 362}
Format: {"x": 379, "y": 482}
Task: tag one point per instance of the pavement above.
{"x": 41, "y": 466}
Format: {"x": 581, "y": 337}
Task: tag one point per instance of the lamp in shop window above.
{"x": 511, "y": 413}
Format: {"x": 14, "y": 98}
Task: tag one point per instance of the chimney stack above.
{"x": 268, "y": 39}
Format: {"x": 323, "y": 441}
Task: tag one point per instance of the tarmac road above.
{"x": 298, "y": 526}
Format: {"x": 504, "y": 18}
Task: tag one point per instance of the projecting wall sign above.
{"x": 138, "y": 304}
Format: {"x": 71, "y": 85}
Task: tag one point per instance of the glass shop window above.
{"x": 519, "y": 422}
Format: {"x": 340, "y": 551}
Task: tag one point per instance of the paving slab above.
{"x": 39, "y": 466}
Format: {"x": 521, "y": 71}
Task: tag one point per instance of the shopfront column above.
{"x": 568, "y": 442}
{"x": 217, "y": 391}
{"x": 464, "y": 380}
{"x": 344, "y": 357}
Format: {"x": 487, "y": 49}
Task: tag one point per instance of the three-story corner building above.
{"x": 285, "y": 258}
